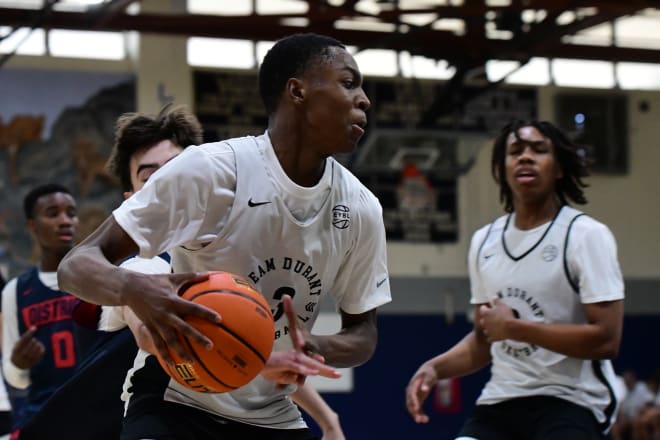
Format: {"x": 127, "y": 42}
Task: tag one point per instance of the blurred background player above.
{"x": 5, "y": 406}
{"x": 38, "y": 330}
{"x": 548, "y": 296}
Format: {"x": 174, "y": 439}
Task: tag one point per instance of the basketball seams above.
{"x": 243, "y": 345}
{"x": 232, "y": 292}
{"x": 244, "y": 342}
{"x": 204, "y": 367}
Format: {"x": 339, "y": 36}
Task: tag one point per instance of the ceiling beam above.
{"x": 427, "y": 42}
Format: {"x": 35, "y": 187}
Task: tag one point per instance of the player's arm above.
{"x": 311, "y": 401}
{"x": 153, "y": 298}
{"x": 353, "y": 345}
{"x": 20, "y": 351}
{"x": 598, "y": 338}
{"x": 361, "y": 286}
{"x": 293, "y": 366}
{"x": 470, "y": 354}
{"x": 591, "y": 257}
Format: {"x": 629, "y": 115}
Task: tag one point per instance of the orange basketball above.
{"x": 242, "y": 341}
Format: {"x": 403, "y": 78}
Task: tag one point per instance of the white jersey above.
{"x": 546, "y": 275}
{"x": 230, "y": 206}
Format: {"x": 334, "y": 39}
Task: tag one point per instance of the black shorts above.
{"x": 532, "y": 418}
{"x": 173, "y": 421}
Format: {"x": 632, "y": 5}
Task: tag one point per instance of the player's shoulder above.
{"x": 494, "y": 226}
{"x": 218, "y": 148}
{"x": 10, "y": 286}
{"x": 582, "y": 224}
{"x": 347, "y": 181}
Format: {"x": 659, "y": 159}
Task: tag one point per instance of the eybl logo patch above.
{"x": 341, "y": 217}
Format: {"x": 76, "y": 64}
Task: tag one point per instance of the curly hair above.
{"x": 571, "y": 158}
{"x": 289, "y": 58}
{"x": 136, "y": 132}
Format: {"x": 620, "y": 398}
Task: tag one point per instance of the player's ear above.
{"x": 30, "y": 226}
{"x": 295, "y": 90}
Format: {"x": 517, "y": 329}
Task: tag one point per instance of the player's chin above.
{"x": 348, "y": 146}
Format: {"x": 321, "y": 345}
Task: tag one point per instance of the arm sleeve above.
{"x": 176, "y": 206}
{"x": 592, "y": 260}
{"x": 15, "y": 376}
{"x": 362, "y": 283}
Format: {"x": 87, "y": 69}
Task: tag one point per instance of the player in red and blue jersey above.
{"x": 38, "y": 329}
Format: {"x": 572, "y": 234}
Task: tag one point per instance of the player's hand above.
{"x": 293, "y": 366}
{"x": 333, "y": 432}
{"x": 417, "y": 391}
{"x": 494, "y": 318}
{"x": 301, "y": 338}
{"x": 156, "y": 302}
{"x": 28, "y": 350}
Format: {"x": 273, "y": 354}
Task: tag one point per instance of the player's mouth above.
{"x": 526, "y": 175}
{"x": 358, "y": 128}
{"x": 65, "y": 236}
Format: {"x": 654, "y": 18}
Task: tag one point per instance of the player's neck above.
{"x": 301, "y": 163}
{"x": 531, "y": 215}
{"x": 49, "y": 261}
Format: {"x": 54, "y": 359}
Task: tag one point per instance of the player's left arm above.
{"x": 361, "y": 286}
{"x": 598, "y": 338}
{"x": 353, "y": 345}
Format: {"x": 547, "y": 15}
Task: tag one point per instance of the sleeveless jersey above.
{"x": 51, "y": 312}
{"x": 544, "y": 282}
{"x": 340, "y": 250}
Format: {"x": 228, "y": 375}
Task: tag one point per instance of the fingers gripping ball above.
{"x": 242, "y": 341}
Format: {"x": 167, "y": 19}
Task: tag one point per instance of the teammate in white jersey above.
{"x": 277, "y": 209}
{"x": 548, "y": 296}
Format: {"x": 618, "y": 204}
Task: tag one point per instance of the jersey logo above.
{"x": 549, "y": 252}
{"x": 341, "y": 216}
{"x": 488, "y": 256}
{"x": 380, "y": 283}
{"x": 252, "y": 204}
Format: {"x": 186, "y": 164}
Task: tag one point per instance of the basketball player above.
{"x": 548, "y": 296}
{"x": 143, "y": 143}
{"x": 276, "y": 208}
{"x": 37, "y": 328}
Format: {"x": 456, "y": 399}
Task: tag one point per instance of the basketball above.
{"x": 242, "y": 341}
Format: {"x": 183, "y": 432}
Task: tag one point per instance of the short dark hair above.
{"x": 136, "y": 132}
{"x": 571, "y": 158}
{"x": 289, "y": 58}
{"x": 36, "y": 193}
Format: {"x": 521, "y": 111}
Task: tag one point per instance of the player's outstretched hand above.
{"x": 293, "y": 366}
{"x": 28, "y": 350}
{"x": 418, "y": 389}
{"x": 156, "y": 302}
